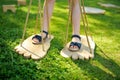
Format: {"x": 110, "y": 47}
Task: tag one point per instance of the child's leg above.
{"x": 76, "y": 17}
{"x": 48, "y": 5}
{"x": 75, "y": 22}
{"x": 48, "y": 9}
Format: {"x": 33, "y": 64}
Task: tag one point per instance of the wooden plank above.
{"x": 93, "y": 10}
{"x": 108, "y": 5}
{"x": 21, "y": 2}
{"x": 9, "y": 7}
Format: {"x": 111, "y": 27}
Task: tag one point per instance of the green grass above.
{"x": 105, "y": 30}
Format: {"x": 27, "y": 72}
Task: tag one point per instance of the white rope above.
{"x": 68, "y": 22}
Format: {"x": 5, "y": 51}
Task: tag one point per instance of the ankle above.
{"x": 44, "y": 33}
{"x": 76, "y": 38}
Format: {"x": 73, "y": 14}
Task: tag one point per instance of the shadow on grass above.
{"x": 101, "y": 67}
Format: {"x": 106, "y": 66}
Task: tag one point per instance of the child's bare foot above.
{"x": 37, "y": 39}
{"x": 75, "y": 44}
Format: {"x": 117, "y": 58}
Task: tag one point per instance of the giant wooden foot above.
{"x": 83, "y": 53}
{"x": 30, "y": 50}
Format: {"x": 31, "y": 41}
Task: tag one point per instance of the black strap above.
{"x": 37, "y": 37}
{"x": 45, "y": 32}
{"x": 40, "y": 37}
{"x": 75, "y": 44}
{"x": 76, "y": 36}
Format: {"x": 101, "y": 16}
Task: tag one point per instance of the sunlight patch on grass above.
{"x": 61, "y": 20}
{"x": 33, "y": 9}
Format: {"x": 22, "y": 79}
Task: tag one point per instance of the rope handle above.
{"x": 26, "y": 22}
{"x": 85, "y": 22}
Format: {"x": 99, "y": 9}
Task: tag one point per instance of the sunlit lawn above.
{"x": 105, "y": 31}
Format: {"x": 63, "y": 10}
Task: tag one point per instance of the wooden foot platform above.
{"x": 21, "y": 2}
{"x": 83, "y": 53}
{"x": 30, "y": 50}
{"x": 9, "y": 7}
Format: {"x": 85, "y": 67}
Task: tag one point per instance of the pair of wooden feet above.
{"x": 36, "y": 52}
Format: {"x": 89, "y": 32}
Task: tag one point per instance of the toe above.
{"x": 75, "y": 56}
{"x": 71, "y": 47}
{"x": 75, "y": 47}
{"x": 35, "y": 40}
{"x": 21, "y": 52}
{"x": 27, "y": 55}
{"x": 35, "y": 57}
